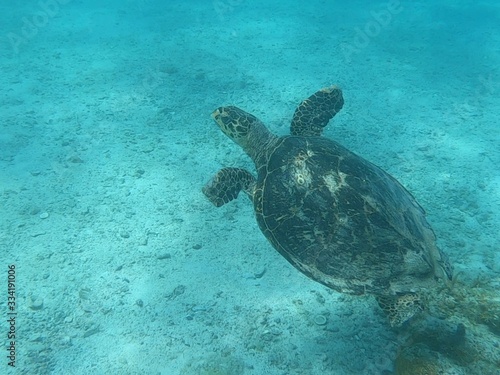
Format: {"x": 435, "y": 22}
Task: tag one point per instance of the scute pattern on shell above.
{"x": 341, "y": 220}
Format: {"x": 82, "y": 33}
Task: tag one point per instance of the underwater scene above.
{"x": 236, "y": 187}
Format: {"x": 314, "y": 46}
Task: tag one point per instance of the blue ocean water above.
{"x": 113, "y": 260}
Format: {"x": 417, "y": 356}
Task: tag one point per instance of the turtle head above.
{"x": 244, "y": 129}
{"x": 235, "y": 123}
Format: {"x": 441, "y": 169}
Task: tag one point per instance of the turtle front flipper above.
{"x": 313, "y": 114}
{"x": 227, "y": 184}
{"x": 401, "y": 308}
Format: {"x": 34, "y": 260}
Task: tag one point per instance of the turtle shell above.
{"x": 341, "y": 220}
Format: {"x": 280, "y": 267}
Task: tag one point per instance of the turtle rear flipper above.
{"x": 313, "y": 114}
{"x": 227, "y": 184}
{"x": 400, "y": 309}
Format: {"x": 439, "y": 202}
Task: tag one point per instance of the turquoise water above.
{"x": 122, "y": 266}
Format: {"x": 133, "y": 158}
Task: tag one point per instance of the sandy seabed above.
{"x": 123, "y": 266}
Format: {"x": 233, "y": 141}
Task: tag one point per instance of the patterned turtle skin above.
{"x": 336, "y": 217}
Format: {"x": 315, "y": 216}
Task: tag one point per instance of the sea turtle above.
{"x": 336, "y": 217}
